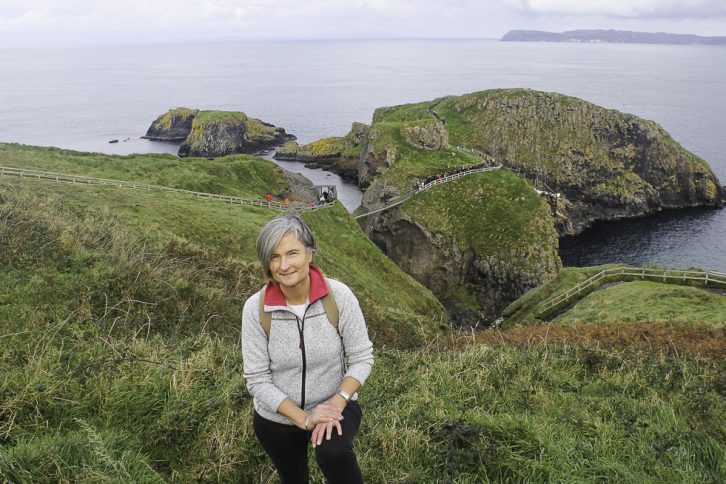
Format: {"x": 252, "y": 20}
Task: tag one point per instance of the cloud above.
{"x": 695, "y": 9}
{"x": 229, "y": 17}
{"x": 56, "y": 22}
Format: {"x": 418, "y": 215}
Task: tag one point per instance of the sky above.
{"x": 38, "y": 23}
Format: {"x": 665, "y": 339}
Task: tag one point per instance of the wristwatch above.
{"x": 345, "y": 395}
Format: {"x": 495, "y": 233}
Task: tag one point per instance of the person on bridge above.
{"x": 295, "y": 366}
{"x": 286, "y": 202}
{"x": 268, "y": 198}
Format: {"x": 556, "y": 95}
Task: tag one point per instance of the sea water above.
{"x": 83, "y": 97}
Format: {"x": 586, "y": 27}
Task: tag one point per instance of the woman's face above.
{"x": 290, "y": 262}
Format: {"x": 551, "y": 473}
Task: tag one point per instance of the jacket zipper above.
{"x": 301, "y": 331}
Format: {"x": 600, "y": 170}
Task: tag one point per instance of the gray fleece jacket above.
{"x": 304, "y": 359}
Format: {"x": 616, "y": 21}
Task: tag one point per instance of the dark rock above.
{"x": 220, "y": 133}
{"x": 339, "y": 155}
{"x": 174, "y": 125}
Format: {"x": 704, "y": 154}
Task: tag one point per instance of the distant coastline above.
{"x": 611, "y": 37}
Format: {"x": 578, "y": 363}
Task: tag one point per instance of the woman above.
{"x": 297, "y": 375}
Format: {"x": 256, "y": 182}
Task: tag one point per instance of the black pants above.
{"x": 287, "y": 446}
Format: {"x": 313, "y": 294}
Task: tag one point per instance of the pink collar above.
{"x": 318, "y": 289}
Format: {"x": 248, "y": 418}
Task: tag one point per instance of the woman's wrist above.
{"x": 304, "y": 421}
{"x": 338, "y": 400}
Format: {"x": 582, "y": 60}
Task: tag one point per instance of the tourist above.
{"x": 303, "y": 392}
{"x": 286, "y": 202}
{"x": 268, "y": 197}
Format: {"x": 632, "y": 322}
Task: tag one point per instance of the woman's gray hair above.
{"x": 273, "y": 232}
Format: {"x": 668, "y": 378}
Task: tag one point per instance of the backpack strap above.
{"x": 265, "y": 318}
{"x": 329, "y": 305}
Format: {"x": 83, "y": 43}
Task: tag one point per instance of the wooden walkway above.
{"x": 87, "y": 180}
{"x": 708, "y": 279}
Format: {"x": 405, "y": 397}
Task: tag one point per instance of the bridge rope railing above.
{"x": 704, "y": 278}
{"x": 399, "y": 199}
{"x": 86, "y": 180}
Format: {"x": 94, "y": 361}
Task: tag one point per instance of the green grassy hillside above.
{"x": 502, "y": 230}
{"x": 119, "y": 320}
{"x": 606, "y": 164}
{"x": 194, "y": 257}
{"x": 81, "y": 404}
{"x": 628, "y": 301}
{"x": 238, "y": 175}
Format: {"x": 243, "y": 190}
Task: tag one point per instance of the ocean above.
{"x": 81, "y": 98}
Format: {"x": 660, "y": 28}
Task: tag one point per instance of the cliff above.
{"x": 478, "y": 242}
{"x": 605, "y": 164}
{"x": 174, "y": 125}
{"x": 341, "y": 155}
{"x": 610, "y": 36}
{"x": 216, "y": 133}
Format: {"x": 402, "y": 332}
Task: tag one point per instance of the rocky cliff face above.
{"x": 377, "y": 156}
{"x": 216, "y": 133}
{"x": 478, "y": 243}
{"x": 174, "y": 125}
{"x": 607, "y": 164}
{"x": 431, "y": 136}
{"x": 340, "y": 155}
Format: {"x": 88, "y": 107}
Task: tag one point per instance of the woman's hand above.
{"x": 325, "y": 413}
{"x": 324, "y": 430}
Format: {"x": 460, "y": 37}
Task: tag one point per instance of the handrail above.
{"x": 87, "y": 180}
{"x": 379, "y": 207}
{"x": 663, "y": 275}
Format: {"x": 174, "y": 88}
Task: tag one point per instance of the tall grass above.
{"x": 120, "y": 362}
{"x": 94, "y": 406}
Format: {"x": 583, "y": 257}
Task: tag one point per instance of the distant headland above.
{"x": 610, "y": 36}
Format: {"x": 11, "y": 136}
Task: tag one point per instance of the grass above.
{"x": 95, "y": 406}
{"x": 119, "y": 320}
{"x": 195, "y": 258}
{"x": 510, "y": 216}
{"x": 627, "y": 302}
{"x": 648, "y": 301}
{"x": 239, "y": 175}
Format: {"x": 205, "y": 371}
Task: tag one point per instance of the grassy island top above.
{"x": 411, "y": 162}
{"x": 488, "y": 212}
{"x": 562, "y": 135}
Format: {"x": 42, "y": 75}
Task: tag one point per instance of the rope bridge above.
{"x": 398, "y": 200}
